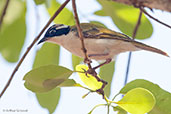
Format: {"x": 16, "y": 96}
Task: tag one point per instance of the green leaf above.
{"x": 65, "y": 17}
{"x": 49, "y": 99}
{"x": 163, "y": 98}
{"x": 46, "y": 78}
{"x": 13, "y": 32}
{"x": 125, "y": 18}
{"x": 119, "y": 110}
{"x": 100, "y": 13}
{"x": 39, "y": 1}
{"x": 137, "y": 101}
{"x": 68, "y": 83}
{"x": 106, "y": 73}
{"x": 76, "y": 60}
{"x": 88, "y": 79}
{"x": 48, "y": 54}
{"x": 2, "y": 3}
{"x": 46, "y": 2}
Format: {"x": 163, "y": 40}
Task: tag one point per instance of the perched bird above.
{"x": 100, "y": 43}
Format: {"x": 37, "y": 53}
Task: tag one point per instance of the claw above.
{"x": 86, "y": 73}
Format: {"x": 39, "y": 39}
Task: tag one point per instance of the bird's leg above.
{"x": 106, "y": 62}
{"x": 93, "y": 72}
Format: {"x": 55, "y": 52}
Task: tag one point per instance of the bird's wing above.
{"x": 99, "y": 32}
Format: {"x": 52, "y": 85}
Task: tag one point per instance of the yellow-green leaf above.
{"x": 65, "y": 17}
{"x": 48, "y": 54}
{"x": 125, "y": 18}
{"x": 49, "y": 99}
{"x": 119, "y": 110}
{"x": 88, "y": 79}
{"x": 137, "y": 101}
{"x": 163, "y": 98}
{"x": 100, "y": 13}
{"x": 13, "y": 31}
{"x": 46, "y": 78}
{"x": 68, "y": 83}
{"x": 39, "y": 1}
{"x": 76, "y": 60}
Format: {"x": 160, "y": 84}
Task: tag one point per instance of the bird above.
{"x": 101, "y": 43}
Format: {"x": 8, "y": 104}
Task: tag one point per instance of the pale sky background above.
{"x": 144, "y": 65}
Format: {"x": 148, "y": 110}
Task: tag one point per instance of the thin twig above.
{"x": 128, "y": 67}
{"x": 4, "y": 12}
{"x": 130, "y": 53}
{"x": 80, "y": 34}
{"x": 31, "y": 45}
{"x": 143, "y": 10}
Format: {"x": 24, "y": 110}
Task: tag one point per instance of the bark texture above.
{"x": 157, "y": 4}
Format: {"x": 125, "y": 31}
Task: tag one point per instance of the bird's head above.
{"x": 55, "y": 31}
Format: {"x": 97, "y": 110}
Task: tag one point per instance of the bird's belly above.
{"x": 95, "y": 50}
{"x": 100, "y": 49}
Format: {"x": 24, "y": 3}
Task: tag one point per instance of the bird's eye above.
{"x": 52, "y": 32}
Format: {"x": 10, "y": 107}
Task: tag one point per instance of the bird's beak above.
{"x": 43, "y": 40}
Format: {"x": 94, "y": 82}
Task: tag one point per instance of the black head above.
{"x": 55, "y": 30}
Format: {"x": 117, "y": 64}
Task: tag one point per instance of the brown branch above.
{"x": 143, "y": 10}
{"x": 130, "y": 53}
{"x": 86, "y": 59}
{"x": 4, "y": 12}
{"x": 29, "y": 48}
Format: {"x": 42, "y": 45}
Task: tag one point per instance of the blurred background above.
{"x": 144, "y": 65}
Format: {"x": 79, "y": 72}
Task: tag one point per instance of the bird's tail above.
{"x": 149, "y": 48}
